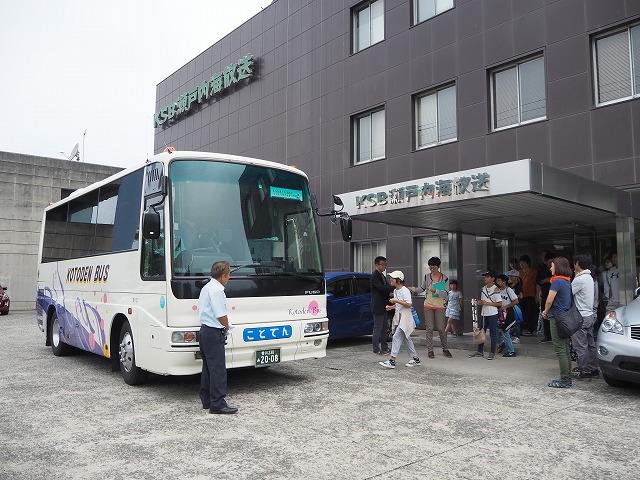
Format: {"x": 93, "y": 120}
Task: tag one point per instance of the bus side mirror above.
{"x": 346, "y": 226}
{"x": 150, "y": 224}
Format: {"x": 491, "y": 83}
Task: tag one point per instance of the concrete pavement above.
{"x": 343, "y": 416}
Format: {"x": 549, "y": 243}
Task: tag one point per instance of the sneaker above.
{"x": 414, "y": 362}
{"x": 476, "y": 355}
{"x": 385, "y": 352}
{"x": 595, "y": 374}
{"x": 388, "y": 364}
{"x": 509, "y": 354}
{"x": 515, "y": 340}
{"x": 491, "y": 356}
{"x": 447, "y": 353}
{"x": 545, "y": 340}
{"x": 430, "y": 354}
{"x": 559, "y": 384}
{"x": 501, "y": 348}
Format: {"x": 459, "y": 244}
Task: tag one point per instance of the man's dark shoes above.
{"x": 509, "y": 354}
{"x": 223, "y": 410}
{"x": 206, "y": 407}
{"x": 582, "y": 376}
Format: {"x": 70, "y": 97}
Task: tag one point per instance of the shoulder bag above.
{"x": 478, "y": 334}
{"x": 568, "y": 322}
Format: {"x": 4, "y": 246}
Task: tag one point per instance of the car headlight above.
{"x": 612, "y": 325}
{"x": 184, "y": 337}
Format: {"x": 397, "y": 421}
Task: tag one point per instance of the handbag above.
{"x": 478, "y": 334}
{"x": 569, "y": 322}
{"x": 416, "y": 318}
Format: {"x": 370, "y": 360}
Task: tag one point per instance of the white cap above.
{"x": 397, "y": 274}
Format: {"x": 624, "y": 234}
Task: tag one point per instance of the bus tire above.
{"x": 131, "y": 373}
{"x": 58, "y": 347}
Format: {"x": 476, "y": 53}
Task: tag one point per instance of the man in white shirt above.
{"x": 212, "y": 306}
{"x": 583, "y": 341}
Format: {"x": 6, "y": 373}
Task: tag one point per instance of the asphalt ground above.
{"x": 343, "y": 416}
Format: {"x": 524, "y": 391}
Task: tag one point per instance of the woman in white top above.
{"x": 490, "y": 300}
{"x": 403, "y": 319}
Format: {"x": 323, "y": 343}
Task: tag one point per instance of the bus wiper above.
{"x": 246, "y": 265}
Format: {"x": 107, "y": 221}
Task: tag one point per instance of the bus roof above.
{"x": 167, "y": 157}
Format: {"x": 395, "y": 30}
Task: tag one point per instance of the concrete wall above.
{"x": 27, "y": 185}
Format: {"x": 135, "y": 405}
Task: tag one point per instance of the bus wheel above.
{"x": 131, "y": 373}
{"x": 58, "y": 347}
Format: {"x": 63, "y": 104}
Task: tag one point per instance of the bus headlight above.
{"x": 316, "y": 327}
{"x": 184, "y": 337}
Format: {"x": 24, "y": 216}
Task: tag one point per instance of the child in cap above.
{"x": 403, "y": 319}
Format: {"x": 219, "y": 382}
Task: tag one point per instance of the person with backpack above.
{"x": 436, "y": 286}
{"x": 506, "y": 315}
{"x": 559, "y": 300}
{"x": 401, "y": 303}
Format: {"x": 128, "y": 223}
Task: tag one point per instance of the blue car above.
{"x": 349, "y": 304}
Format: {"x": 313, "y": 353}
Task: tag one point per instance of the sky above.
{"x": 76, "y": 66}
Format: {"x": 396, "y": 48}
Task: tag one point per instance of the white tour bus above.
{"x": 133, "y": 297}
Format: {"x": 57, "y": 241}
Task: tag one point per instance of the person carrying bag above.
{"x": 557, "y": 310}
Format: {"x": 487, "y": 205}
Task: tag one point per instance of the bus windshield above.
{"x": 256, "y": 218}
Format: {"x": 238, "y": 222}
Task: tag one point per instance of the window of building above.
{"x": 368, "y": 24}
{"x": 369, "y": 136}
{"x": 518, "y": 94}
{"x": 436, "y": 120}
{"x": 425, "y": 9}
{"x": 364, "y": 254}
{"x": 428, "y": 247}
{"x": 617, "y": 66}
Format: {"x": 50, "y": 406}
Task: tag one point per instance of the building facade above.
{"x": 399, "y": 106}
{"x": 27, "y": 185}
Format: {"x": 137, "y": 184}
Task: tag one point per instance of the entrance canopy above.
{"x": 522, "y": 198}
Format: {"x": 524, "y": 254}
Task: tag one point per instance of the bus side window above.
{"x": 153, "y": 254}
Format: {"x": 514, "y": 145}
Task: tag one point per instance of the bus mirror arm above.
{"x": 346, "y": 224}
{"x": 150, "y": 224}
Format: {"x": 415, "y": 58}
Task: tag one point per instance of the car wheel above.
{"x": 4, "y": 313}
{"x": 58, "y": 347}
{"x": 614, "y": 382}
{"x": 131, "y": 373}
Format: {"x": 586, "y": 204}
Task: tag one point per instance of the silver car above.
{"x": 619, "y": 345}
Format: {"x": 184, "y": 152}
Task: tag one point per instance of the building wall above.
{"x": 310, "y": 85}
{"x": 27, "y": 185}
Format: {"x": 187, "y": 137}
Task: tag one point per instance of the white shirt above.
{"x": 404, "y": 315}
{"x": 508, "y": 295}
{"x": 582, "y": 288}
{"x": 490, "y": 294}
{"x": 610, "y": 279}
{"x": 212, "y": 304}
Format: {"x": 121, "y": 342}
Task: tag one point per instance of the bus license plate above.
{"x": 267, "y": 357}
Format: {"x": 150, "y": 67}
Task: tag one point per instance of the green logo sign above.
{"x": 219, "y": 82}
{"x": 286, "y": 193}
